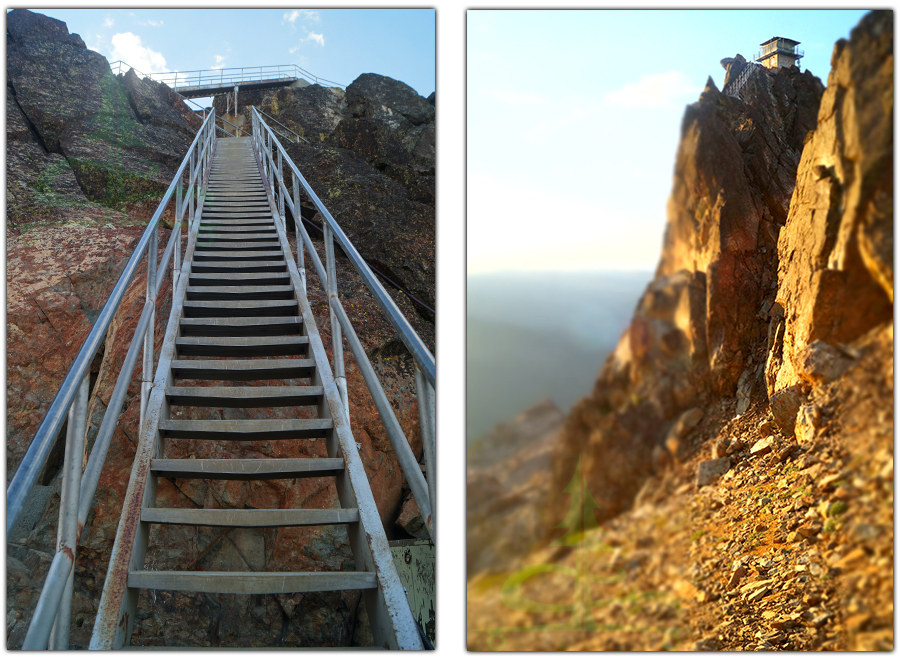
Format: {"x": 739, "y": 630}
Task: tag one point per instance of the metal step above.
{"x": 266, "y": 430}
{"x": 236, "y": 230}
{"x": 257, "y": 266}
{"x": 243, "y": 256}
{"x": 250, "y": 308}
{"x": 252, "y": 237}
{"x": 250, "y": 517}
{"x": 243, "y": 369}
{"x": 240, "y": 279}
{"x": 240, "y": 327}
{"x": 243, "y": 347}
{"x": 251, "y": 583}
{"x": 263, "y": 469}
{"x": 244, "y": 396}
{"x": 239, "y": 292}
{"x": 204, "y": 244}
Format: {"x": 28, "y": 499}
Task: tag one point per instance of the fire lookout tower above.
{"x": 779, "y": 52}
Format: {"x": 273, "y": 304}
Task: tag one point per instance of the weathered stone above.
{"x": 720, "y": 447}
{"x": 820, "y": 363}
{"x": 380, "y": 97}
{"x": 763, "y": 447}
{"x": 784, "y": 405}
{"x": 709, "y": 471}
{"x": 410, "y": 519}
{"x": 809, "y": 420}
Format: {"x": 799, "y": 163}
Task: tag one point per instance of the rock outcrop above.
{"x": 87, "y": 156}
{"x": 700, "y": 328}
{"x": 770, "y": 314}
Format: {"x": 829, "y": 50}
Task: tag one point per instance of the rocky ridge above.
{"x": 737, "y": 450}
{"x": 86, "y": 154}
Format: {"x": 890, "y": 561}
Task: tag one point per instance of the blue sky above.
{"x": 573, "y": 120}
{"x": 336, "y": 44}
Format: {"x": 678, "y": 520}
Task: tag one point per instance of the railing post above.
{"x": 67, "y": 533}
{"x": 298, "y": 220}
{"x": 337, "y": 344}
{"x": 427, "y": 421}
{"x": 281, "y": 192}
{"x": 147, "y": 368}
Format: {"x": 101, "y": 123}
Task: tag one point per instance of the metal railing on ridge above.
{"x": 273, "y": 159}
{"x": 51, "y": 620}
{"x": 229, "y": 75}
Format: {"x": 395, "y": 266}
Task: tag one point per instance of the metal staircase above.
{"x": 241, "y": 336}
{"x": 240, "y": 311}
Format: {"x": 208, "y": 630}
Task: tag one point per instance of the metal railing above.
{"x": 199, "y": 78}
{"x": 273, "y": 158}
{"x": 734, "y": 87}
{"x": 53, "y": 609}
{"x": 297, "y": 137}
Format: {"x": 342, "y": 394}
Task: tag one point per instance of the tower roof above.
{"x": 790, "y": 41}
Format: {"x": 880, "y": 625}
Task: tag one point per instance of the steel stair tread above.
{"x": 248, "y": 469}
{"x": 255, "y": 237}
{"x": 249, "y": 517}
{"x": 236, "y": 278}
{"x": 235, "y": 327}
{"x": 234, "y": 347}
{"x": 252, "y": 430}
{"x": 244, "y": 256}
{"x": 244, "y": 396}
{"x": 275, "y": 266}
{"x": 243, "y": 369}
{"x": 250, "y": 583}
{"x": 234, "y": 292}
{"x": 243, "y": 307}
{"x": 207, "y": 245}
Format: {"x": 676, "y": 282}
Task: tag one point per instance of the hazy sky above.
{"x": 573, "y": 118}
{"x": 336, "y": 44}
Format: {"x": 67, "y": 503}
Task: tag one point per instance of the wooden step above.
{"x": 239, "y": 292}
{"x": 247, "y": 308}
{"x": 243, "y": 347}
{"x": 249, "y": 396}
{"x": 250, "y": 583}
{"x": 251, "y": 469}
{"x": 240, "y": 279}
{"x": 243, "y": 369}
{"x": 256, "y": 266}
{"x": 241, "y": 327}
{"x": 262, "y": 430}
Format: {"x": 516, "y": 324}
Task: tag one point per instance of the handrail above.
{"x": 423, "y": 488}
{"x": 54, "y": 605}
{"x": 299, "y": 137}
{"x": 183, "y": 79}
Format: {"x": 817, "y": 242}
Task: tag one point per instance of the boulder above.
{"x": 380, "y": 97}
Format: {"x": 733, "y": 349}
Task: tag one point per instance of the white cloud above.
{"x": 655, "y": 91}
{"x": 129, "y": 48}
{"x": 293, "y": 49}
{"x": 154, "y": 24}
{"x": 108, "y": 21}
{"x": 306, "y": 14}
{"x": 220, "y": 62}
{"x": 96, "y": 44}
{"x": 318, "y": 38}
{"x": 518, "y": 98}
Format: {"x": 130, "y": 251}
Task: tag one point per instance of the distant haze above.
{"x": 536, "y": 335}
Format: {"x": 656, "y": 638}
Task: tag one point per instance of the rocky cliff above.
{"x": 88, "y": 154}
{"x": 737, "y": 446}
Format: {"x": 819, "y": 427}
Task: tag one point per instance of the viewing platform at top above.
{"x": 207, "y": 82}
